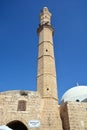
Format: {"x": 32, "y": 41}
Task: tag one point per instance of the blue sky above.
{"x": 19, "y": 20}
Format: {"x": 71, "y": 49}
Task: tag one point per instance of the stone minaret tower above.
{"x": 46, "y": 74}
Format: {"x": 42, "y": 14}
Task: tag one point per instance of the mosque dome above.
{"x": 77, "y": 93}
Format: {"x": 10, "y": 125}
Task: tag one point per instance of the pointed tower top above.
{"x": 45, "y": 8}
{"x": 45, "y": 16}
{"x": 45, "y": 20}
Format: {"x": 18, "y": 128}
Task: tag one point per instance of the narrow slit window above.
{"x": 46, "y": 50}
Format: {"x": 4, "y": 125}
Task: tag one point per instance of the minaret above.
{"x": 46, "y": 74}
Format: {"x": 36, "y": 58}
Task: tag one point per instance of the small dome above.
{"x": 77, "y": 93}
{"x": 45, "y": 7}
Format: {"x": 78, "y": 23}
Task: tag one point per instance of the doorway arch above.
{"x": 17, "y": 125}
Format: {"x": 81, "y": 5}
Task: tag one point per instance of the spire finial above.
{"x": 77, "y": 84}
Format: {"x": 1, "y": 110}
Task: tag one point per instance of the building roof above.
{"x": 77, "y": 93}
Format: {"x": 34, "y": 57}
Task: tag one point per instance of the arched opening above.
{"x": 17, "y": 125}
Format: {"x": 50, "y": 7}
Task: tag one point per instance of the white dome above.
{"x": 77, "y": 93}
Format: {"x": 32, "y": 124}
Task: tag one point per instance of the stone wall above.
{"x": 25, "y": 106}
{"x": 77, "y": 112}
{"x": 11, "y": 108}
{"x": 74, "y": 115}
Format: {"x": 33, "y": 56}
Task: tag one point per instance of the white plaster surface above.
{"x": 75, "y": 93}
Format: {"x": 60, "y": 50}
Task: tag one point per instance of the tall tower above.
{"x": 46, "y": 74}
